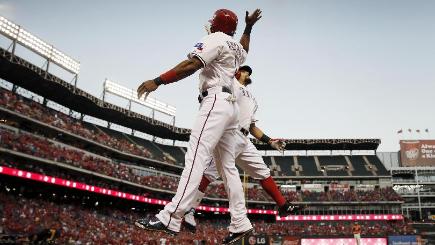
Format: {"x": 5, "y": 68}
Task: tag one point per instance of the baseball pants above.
{"x": 248, "y": 158}
{"x": 213, "y": 134}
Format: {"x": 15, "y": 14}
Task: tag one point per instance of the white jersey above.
{"x": 221, "y": 56}
{"x": 247, "y": 105}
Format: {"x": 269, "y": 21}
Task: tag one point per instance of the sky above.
{"x": 321, "y": 69}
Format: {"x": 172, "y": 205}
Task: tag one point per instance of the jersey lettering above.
{"x": 236, "y": 48}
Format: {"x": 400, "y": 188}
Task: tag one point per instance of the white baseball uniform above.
{"x": 213, "y": 133}
{"x": 248, "y": 158}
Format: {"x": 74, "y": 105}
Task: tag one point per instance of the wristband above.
{"x": 265, "y": 139}
{"x": 169, "y": 77}
{"x": 158, "y": 81}
{"x": 247, "y": 30}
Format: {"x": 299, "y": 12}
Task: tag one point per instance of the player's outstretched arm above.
{"x": 277, "y": 144}
{"x": 250, "y": 20}
{"x": 180, "y": 71}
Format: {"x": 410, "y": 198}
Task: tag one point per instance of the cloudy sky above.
{"x": 322, "y": 69}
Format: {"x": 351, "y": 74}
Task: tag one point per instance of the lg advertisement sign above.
{"x": 417, "y": 153}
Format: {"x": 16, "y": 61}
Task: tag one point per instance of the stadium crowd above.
{"x": 37, "y": 111}
{"x": 80, "y": 224}
{"x": 41, "y": 147}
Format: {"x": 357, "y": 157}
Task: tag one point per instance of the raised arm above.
{"x": 250, "y": 20}
{"x": 180, "y": 71}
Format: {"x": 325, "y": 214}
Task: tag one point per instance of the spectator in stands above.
{"x": 356, "y": 230}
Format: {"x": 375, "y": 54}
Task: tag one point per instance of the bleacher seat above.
{"x": 285, "y": 163}
{"x": 373, "y": 159}
{"x": 359, "y": 166}
{"x": 309, "y": 166}
{"x": 174, "y": 151}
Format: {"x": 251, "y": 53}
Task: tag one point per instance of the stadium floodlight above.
{"x": 8, "y": 28}
{"x": 28, "y": 40}
{"x": 131, "y": 95}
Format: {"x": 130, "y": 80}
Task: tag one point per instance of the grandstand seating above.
{"x": 174, "y": 154}
{"x": 334, "y": 165}
{"x": 156, "y": 152}
{"x": 359, "y": 166}
{"x": 285, "y": 163}
{"x": 332, "y": 160}
{"x": 82, "y": 220}
{"x": 309, "y": 166}
{"x": 381, "y": 170}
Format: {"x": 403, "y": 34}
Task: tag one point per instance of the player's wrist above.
{"x": 166, "y": 78}
{"x": 158, "y": 81}
{"x": 266, "y": 139}
{"x": 248, "y": 29}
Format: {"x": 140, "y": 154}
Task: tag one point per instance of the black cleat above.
{"x": 153, "y": 224}
{"x": 191, "y": 228}
{"x": 234, "y": 237}
{"x": 288, "y": 209}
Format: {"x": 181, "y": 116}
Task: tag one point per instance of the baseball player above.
{"x": 219, "y": 57}
{"x": 248, "y": 158}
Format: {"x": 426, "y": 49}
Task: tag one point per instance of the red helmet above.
{"x": 225, "y": 21}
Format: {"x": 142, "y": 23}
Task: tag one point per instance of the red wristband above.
{"x": 169, "y": 77}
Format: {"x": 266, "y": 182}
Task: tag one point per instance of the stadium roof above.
{"x": 24, "y": 74}
{"x": 325, "y": 144}
{"x": 35, "y": 79}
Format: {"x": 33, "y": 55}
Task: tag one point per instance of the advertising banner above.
{"x": 291, "y": 240}
{"x": 339, "y": 187}
{"x": 403, "y": 240}
{"x": 312, "y": 187}
{"x": 340, "y": 217}
{"x": 364, "y": 187}
{"x": 256, "y": 240}
{"x": 343, "y": 241}
{"x": 287, "y": 188}
{"x": 417, "y": 153}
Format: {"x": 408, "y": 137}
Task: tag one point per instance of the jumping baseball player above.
{"x": 248, "y": 158}
{"x": 219, "y": 57}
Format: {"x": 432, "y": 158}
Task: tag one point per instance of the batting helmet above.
{"x": 225, "y": 21}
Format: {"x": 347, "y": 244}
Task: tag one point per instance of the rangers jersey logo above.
{"x": 199, "y": 46}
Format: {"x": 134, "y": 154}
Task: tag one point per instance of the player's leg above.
{"x": 251, "y": 161}
{"x": 357, "y": 238}
{"x": 225, "y": 161}
{"x": 214, "y": 114}
{"x": 210, "y": 175}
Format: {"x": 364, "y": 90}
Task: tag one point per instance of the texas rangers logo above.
{"x": 199, "y": 46}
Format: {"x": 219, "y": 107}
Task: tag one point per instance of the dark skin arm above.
{"x": 250, "y": 20}
{"x": 255, "y": 131}
{"x": 182, "y": 70}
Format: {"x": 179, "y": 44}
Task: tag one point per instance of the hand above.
{"x": 277, "y": 144}
{"x": 148, "y": 87}
{"x": 253, "y": 18}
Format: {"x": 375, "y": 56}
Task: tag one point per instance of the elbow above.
{"x": 195, "y": 64}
